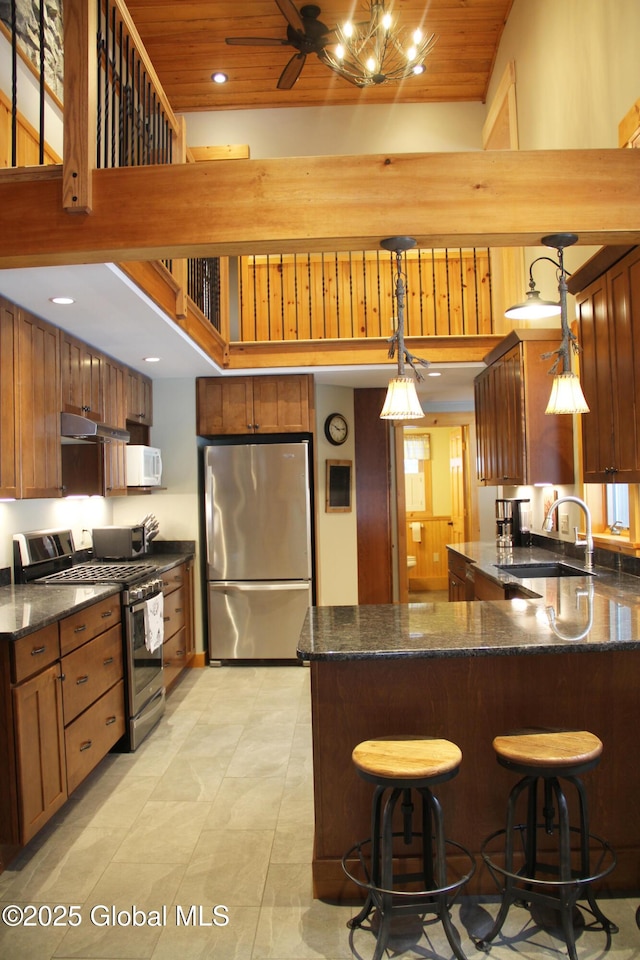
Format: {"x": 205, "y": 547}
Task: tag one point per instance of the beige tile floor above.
{"x": 216, "y": 809}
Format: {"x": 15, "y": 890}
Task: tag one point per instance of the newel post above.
{"x": 80, "y": 137}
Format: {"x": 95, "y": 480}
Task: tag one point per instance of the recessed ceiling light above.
{"x": 62, "y": 300}
{"x": 219, "y": 77}
{"x": 151, "y": 359}
{"x": 434, "y": 373}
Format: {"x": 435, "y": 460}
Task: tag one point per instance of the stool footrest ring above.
{"x": 453, "y": 887}
{"x": 606, "y": 855}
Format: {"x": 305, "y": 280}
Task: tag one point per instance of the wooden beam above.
{"x": 359, "y": 351}
{"x": 219, "y": 208}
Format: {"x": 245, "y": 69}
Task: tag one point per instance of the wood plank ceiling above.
{"x": 186, "y": 43}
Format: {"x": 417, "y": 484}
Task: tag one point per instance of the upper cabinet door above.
{"x": 38, "y": 397}
{"x": 517, "y": 442}
{"x": 9, "y": 441}
{"x": 139, "y": 398}
{"x": 609, "y": 317}
{"x": 82, "y": 378}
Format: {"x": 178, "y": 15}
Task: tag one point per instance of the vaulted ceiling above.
{"x": 186, "y": 44}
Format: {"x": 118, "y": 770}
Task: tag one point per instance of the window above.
{"x": 617, "y": 495}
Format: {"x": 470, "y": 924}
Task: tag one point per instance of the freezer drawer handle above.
{"x": 232, "y": 587}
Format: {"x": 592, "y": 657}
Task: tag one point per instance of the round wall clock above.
{"x": 336, "y": 429}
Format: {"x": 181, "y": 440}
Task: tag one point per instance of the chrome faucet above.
{"x": 587, "y": 543}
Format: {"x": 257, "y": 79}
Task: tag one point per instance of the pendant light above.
{"x": 401, "y": 402}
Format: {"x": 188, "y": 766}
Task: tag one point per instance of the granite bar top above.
{"x": 566, "y": 614}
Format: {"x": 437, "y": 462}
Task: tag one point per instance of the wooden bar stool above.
{"x": 549, "y": 756}
{"x": 397, "y": 766}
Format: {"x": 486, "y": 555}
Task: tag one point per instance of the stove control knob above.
{"x": 135, "y": 593}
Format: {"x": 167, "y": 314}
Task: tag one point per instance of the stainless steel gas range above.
{"x": 48, "y": 557}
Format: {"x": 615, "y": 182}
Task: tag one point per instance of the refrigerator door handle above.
{"x": 233, "y": 586}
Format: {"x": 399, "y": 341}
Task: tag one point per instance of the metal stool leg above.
{"x": 376, "y": 806}
{"x": 585, "y": 864}
{"x": 509, "y": 892}
{"x": 386, "y": 874}
{"x": 440, "y": 855}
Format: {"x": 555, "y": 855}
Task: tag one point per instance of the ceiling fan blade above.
{"x": 291, "y": 14}
{"x": 255, "y": 42}
{"x": 292, "y": 71}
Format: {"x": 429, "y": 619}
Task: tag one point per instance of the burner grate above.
{"x": 101, "y": 573}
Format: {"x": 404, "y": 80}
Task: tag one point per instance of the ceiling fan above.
{"x": 305, "y": 33}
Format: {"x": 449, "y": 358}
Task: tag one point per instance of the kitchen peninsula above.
{"x": 566, "y": 655}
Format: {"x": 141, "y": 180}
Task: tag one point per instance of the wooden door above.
{"x": 40, "y": 752}
{"x": 38, "y": 380}
{"x": 373, "y": 501}
{"x": 9, "y": 441}
{"x": 458, "y": 486}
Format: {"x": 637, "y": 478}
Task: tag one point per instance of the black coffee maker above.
{"x": 513, "y": 523}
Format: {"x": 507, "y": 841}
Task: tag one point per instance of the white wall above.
{"x": 335, "y": 532}
{"x": 177, "y": 507}
{"x": 342, "y": 131}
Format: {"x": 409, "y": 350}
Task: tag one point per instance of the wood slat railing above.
{"x": 351, "y": 296}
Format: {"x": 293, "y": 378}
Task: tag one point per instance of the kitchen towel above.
{"x": 154, "y": 622}
{"x": 416, "y": 532}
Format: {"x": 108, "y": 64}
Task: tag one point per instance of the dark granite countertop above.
{"x": 27, "y": 607}
{"x": 567, "y": 614}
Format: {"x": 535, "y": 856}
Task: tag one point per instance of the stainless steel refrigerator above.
{"x": 259, "y": 555}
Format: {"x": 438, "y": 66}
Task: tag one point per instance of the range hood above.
{"x": 81, "y": 428}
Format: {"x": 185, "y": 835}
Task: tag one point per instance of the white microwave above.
{"x": 144, "y": 466}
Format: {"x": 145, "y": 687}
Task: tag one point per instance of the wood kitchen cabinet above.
{"x": 9, "y": 441}
{"x": 254, "y": 405}
{"x": 37, "y": 723}
{"x": 516, "y": 442}
{"x": 63, "y": 708}
{"x": 460, "y": 586}
{"x": 609, "y": 335}
{"x": 81, "y": 369}
{"x": 38, "y": 406}
{"x": 178, "y": 648}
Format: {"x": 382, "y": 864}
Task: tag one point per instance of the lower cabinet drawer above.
{"x": 90, "y": 670}
{"x": 92, "y": 735}
{"x": 174, "y": 656}
{"x": 174, "y": 611}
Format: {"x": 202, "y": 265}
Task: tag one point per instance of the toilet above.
{"x": 411, "y": 562}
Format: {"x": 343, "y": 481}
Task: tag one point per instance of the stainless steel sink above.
{"x": 555, "y": 568}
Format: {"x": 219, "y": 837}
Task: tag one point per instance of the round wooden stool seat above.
{"x": 406, "y": 759}
{"x": 552, "y": 750}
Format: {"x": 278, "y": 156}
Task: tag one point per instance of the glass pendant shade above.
{"x": 566, "y": 395}
{"x": 534, "y": 308}
{"x": 401, "y": 402}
